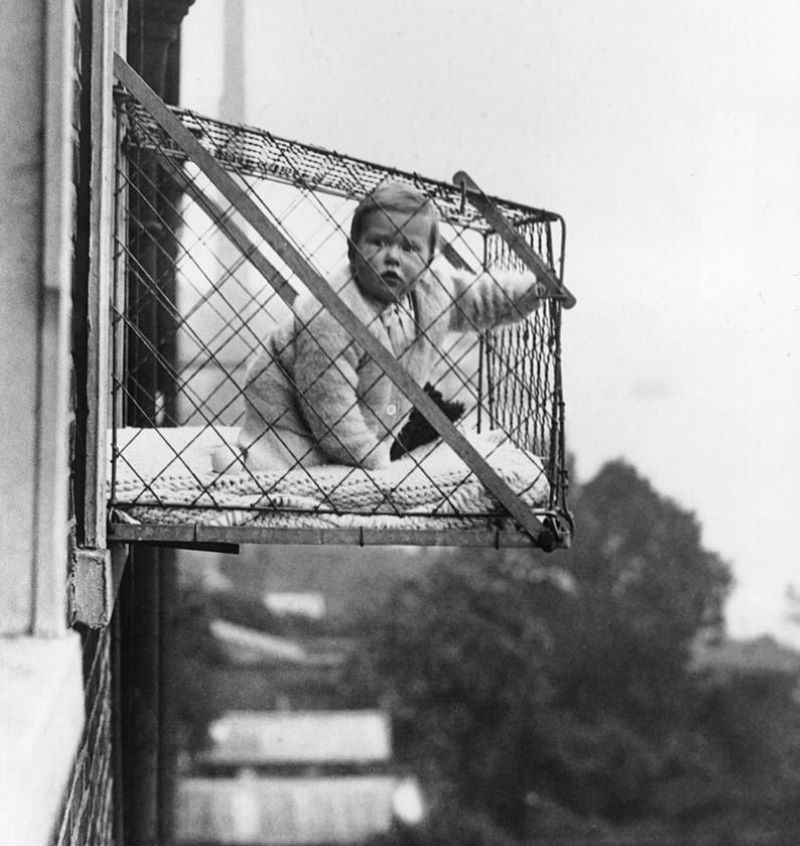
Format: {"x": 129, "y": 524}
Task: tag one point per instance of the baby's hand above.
{"x": 226, "y": 459}
{"x": 532, "y": 298}
{"x": 378, "y": 457}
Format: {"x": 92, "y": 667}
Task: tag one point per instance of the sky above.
{"x": 668, "y": 136}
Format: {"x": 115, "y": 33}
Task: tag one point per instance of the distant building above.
{"x": 243, "y": 645}
{"x": 262, "y": 671}
{"x": 295, "y": 779}
{"x": 755, "y": 657}
{"x": 284, "y": 811}
{"x": 761, "y": 654}
{"x": 252, "y": 739}
{"x": 310, "y": 605}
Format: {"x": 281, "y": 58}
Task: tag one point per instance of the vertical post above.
{"x": 148, "y": 590}
{"x": 101, "y": 150}
{"x": 51, "y": 469}
{"x": 140, "y": 620}
{"x": 168, "y": 202}
{"x": 486, "y": 350}
{"x": 168, "y": 736}
{"x": 140, "y": 595}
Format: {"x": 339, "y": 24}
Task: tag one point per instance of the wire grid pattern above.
{"x": 256, "y": 152}
{"x": 523, "y": 367}
{"x": 193, "y": 310}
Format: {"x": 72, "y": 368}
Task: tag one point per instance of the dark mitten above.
{"x": 417, "y": 430}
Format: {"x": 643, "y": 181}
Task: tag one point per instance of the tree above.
{"x": 506, "y": 684}
{"x": 645, "y": 588}
{"x": 457, "y": 655}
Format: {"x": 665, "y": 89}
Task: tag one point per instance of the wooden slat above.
{"x": 235, "y": 535}
{"x": 133, "y": 532}
{"x": 319, "y": 287}
{"x": 101, "y": 212}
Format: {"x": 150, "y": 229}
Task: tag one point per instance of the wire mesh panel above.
{"x": 266, "y": 369}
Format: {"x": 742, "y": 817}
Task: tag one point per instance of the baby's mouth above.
{"x": 391, "y": 277}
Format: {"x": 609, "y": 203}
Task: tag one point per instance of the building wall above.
{"x": 89, "y": 813}
{"x": 59, "y": 732}
{"x": 21, "y": 83}
{"x": 55, "y": 684}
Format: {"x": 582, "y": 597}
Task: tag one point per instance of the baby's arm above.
{"x": 326, "y": 376}
{"x": 491, "y": 298}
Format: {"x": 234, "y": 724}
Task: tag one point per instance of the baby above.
{"x": 313, "y": 396}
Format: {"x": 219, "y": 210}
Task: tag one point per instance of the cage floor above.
{"x": 165, "y": 491}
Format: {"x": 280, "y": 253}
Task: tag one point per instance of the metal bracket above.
{"x": 95, "y": 575}
{"x": 551, "y": 285}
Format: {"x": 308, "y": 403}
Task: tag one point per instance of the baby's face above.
{"x": 391, "y": 253}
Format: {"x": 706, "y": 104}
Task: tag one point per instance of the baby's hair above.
{"x": 393, "y": 197}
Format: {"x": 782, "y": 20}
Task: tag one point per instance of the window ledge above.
{"x": 41, "y": 720}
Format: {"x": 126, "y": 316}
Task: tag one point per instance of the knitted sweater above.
{"x": 312, "y": 379}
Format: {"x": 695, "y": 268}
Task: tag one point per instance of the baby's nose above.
{"x": 392, "y": 252}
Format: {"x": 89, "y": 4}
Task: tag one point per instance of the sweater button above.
{"x": 391, "y": 409}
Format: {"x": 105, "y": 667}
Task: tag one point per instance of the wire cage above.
{"x": 225, "y": 234}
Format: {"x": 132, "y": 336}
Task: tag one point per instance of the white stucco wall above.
{"x": 21, "y": 82}
{"x": 41, "y": 688}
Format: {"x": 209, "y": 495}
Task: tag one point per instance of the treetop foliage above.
{"x": 513, "y": 692}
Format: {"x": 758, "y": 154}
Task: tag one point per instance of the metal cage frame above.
{"x": 167, "y": 152}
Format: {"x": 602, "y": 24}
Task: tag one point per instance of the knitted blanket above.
{"x": 164, "y": 476}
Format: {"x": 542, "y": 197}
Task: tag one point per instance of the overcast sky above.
{"x": 668, "y": 135}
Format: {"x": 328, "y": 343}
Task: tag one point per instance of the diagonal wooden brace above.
{"x": 551, "y": 285}
{"x": 319, "y": 287}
